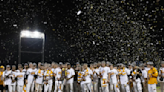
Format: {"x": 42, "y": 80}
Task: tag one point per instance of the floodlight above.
{"x": 29, "y": 34}
{"x": 25, "y": 33}
{"x": 36, "y": 34}
{"x": 33, "y": 35}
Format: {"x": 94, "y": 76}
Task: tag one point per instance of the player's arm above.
{"x": 73, "y": 73}
{"x": 44, "y": 76}
{"x": 109, "y": 77}
{"x": 54, "y": 73}
{"x": 118, "y": 79}
{"x": 160, "y": 72}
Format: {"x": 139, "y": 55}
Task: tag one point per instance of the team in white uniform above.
{"x": 101, "y": 77}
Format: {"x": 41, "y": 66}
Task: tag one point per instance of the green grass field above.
{"x": 158, "y": 89}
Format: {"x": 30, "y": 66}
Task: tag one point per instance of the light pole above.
{"x": 33, "y": 35}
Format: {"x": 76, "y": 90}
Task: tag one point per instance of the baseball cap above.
{"x": 26, "y": 64}
{"x": 77, "y": 63}
{"x": 162, "y": 62}
{"x": 34, "y": 64}
{"x": 150, "y": 63}
{"x": 60, "y": 63}
{"x": 41, "y": 64}
{"x": 8, "y": 66}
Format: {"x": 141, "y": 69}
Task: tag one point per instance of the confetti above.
{"x": 110, "y": 30}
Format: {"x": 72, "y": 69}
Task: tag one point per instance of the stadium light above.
{"x": 29, "y": 34}
{"x": 34, "y": 35}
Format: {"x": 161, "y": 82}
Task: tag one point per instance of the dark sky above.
{"x": 48, "y": 16}
{"x": 58, "y": 19}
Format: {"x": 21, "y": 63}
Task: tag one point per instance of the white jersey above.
{"x": 113, "y": 77}
{"x": 31, "y": 72}
{"x": 24, "y": 70}
{"x": 79, "y": 79}
{"x": 20, "y": 78}
{"x": 123, "y": 76}
{"x": 147, "y": 69}
{"x": 17, "y": 71}
{"x": 57, "y": 71}
{"x": 87, "y": 75}
{"x": 104, "y": 72}
{"x": 144, "y": 75}
{"x": 52, "y": 69}
{"x": 40, "y": 74}
{"x": 129, "y": 71}
{"x": 7, "y": 77}
{"x": 13, "y": 75}
{"x": 95, "y": 74}
{"x": 70, "y": 73}
{"x": 48, "y": 74}
{"x": 161, "y": 71}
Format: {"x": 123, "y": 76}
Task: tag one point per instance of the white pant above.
{"x": 104, "y": 85}
{"x": 125, "y": 88}
{"x": 115, "y": 86}
{"x": 56, "y": 86}
{"x": 48, "y": 87}
{"x": 137, "y": 86}
{"x": 38, "y": 87}
{"x": 95, "y": 86}
{"x": 69, "y": 86}
{"x": 30, "y": 86}
{"x": 19, "y": 88}
{"x": 9, "y": 88}
{"x": 86, "y": 87}
{"x": 59, "y": 86}
{"x": 13, "y": 88}
{"x": 151, "y": 87}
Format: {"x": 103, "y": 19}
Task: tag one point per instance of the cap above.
{"x": 108, "y": 63}
{"x": 60, "y": 63}
{"x": 25, "y": 64}
{"x": 77, "y": 63}
{"x": 95, "y": 63}
{"x": 150, "y": 63}
{"x": 34, "y": 64}
{"x": 162, "y": 62}
{"x": 141, "y": 65}
{"x": 68, "y": 64}
{"x": 118, "y": 64}
{"x": 41, "y": 64}
{"x": 8, "y": 66}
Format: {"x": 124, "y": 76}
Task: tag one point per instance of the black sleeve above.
{"x": 131, "y": 76}
{"x": 26, "y": 76}
{"x": 16, "y": 78}
{"x": 140, "y": 71}
{"x": 35, "y": 76}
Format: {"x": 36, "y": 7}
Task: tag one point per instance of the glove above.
{"x": 161, "y": 79}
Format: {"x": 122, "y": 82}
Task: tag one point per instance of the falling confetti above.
{"x": 110, "y": 30}
{"x": 79, "y": 12}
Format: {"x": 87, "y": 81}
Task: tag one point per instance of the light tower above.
{"x": 32, "y": 35}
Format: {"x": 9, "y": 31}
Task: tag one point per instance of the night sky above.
{"x": 86, "y": 37}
